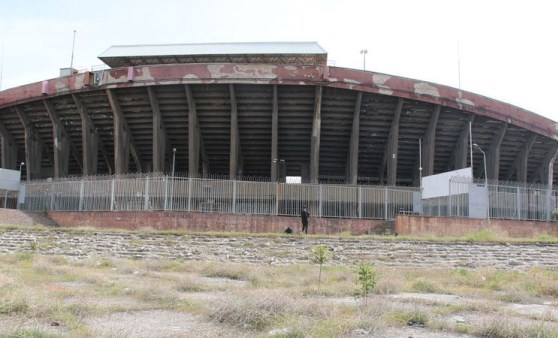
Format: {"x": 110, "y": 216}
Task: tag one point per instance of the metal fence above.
{"x": 506, "y": 200}
{"x": 8, "y": 199}
{"x": 137, "y": 193}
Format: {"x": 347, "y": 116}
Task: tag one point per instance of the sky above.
{"x": 506, "y": 50}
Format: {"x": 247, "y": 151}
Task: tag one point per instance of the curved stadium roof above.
{"x": 234, "y": 114}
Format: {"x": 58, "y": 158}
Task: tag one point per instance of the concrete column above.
{"x": 461, "y": 150}
{"x": 121, "y": 137}
{"x": 235, "y": 158}
{"x": 33, "y": 147}
{"x": 9, "y": 149}
{"x": 89, "y": 140}
{"x": 159, "y": 134}
{"x": 62, "y": 142}
{"x": 429, "y": 144}
{"x": 548, "y": 164}
{"x": 352, "y": 163}
{"x": 274, "y": 135}
{"x": 493, "y": 154}
{"x": 315, "y": 142}
{"x": 193, "y": 135}
{"x": 523, "y": 159}
{"x": 393, "y": 145}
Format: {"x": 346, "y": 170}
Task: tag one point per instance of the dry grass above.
{"x": 253, "y": 299}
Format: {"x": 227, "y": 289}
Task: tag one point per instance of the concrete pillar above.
{"x": 9, "y": 149}
{"x": 61, "y": 142}
{"x": 315, "y": 141}
{"x": 493, "y": 154}
{"x": 33, "y": 147}
{"x": 121, "y": 137}
{"x": 159, "y": 134}
{"x": 235, "y": 158}
{"x": 461, "y": 150}
{"x": 548, "y": 164}
{"x": 352, "y": 163}
{"x": 274, "y": 134}
{"x": 393, "y": 145}
{"x": 193, "y": 135}
{"x": 429, "y": 144}
{"x": 89, "y": 140}
{"x": 522, "y": 160}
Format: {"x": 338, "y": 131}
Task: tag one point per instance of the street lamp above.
{"x": 20, "y": 165}
{"x": 476, "y": 146}
{"x": 364, "y": 52}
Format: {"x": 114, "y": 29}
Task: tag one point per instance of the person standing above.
{"x": 304, "y": 217}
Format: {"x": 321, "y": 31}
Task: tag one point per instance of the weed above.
{"x": 413, "y": 317}
{"x": 31, "y": 333}
{"x": 321, "y": 255}
{"x": 424, "y": 285}
{"x": 366, "y": 279}
{"x": 13, "y": 306}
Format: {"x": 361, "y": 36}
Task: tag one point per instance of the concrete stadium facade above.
{"x": 237, "y": 119}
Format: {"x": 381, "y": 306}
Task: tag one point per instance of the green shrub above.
{"x": 424, "y": 285}
{"x": 366, "y": 279}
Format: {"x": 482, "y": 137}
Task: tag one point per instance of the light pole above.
{"x": 20, "y": 165}
{"x": 364, "y": 52}
{"x": 476, "y": 146}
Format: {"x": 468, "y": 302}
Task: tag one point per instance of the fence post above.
{"x": 385, "y": 203}
{"x": 234, "y": 197}
{"x": 166, "y": 178}
{"x": 190, "y": 181}
{"x": 359, "y": 201}
{"x": 320, "y": 197}
{"x": 277, "y": 198}
{"x": 51, "y": 197}
{"x": 449, "y": 198}
{"x": 112, "y": 200}
{"x": 518, "y": 201}
{"x": 146, "y": 194}
{"x": 81, "y": 196}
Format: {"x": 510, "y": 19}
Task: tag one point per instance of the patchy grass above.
{"x": 254, "y": 299}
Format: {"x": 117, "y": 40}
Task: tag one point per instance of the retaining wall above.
{"x": 194, "y": 221}
{"x": 446, "y": 226}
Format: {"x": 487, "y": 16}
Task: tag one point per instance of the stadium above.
{"x": 265, "y": 112}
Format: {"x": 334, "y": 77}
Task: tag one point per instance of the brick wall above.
{"x": 194, "y": 221}
{"x": 443, "y": 226}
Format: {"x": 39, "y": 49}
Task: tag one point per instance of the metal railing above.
{"x": 160, "y": 192}
{"x": 506, "y": 200}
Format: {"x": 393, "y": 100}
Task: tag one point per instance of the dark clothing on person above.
{"x": 304, "y": 217}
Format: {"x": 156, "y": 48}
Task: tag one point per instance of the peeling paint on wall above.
{"x": 423, "y": 88}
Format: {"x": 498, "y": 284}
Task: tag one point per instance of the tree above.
{"x": 321, "y": 255}
{"x": 366, "y": 279}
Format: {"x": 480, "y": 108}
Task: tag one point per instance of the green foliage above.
{"x": 424, "y": 285}
{"x": 31, "y": 333}
{"x": 8, "y": 307}
{"x": 555, "y": 214}
{"x": 480, "y": 236}
{"x": 366, "y": 279}
{"x": 33, "y": 246}
{"x": 410, "y": 318}
{"x": 321, "y": 255}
